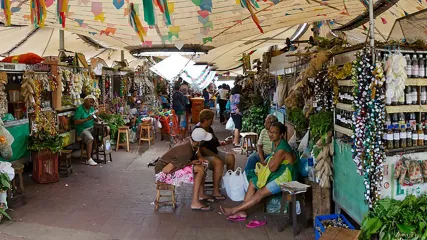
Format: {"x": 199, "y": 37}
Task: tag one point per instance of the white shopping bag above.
{"x": 246, "y": 181}
{"x": 234, "y": 184}
{"x": 230, "y": 124}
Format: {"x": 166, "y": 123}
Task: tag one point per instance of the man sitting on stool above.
{"x": 84, "y": 120}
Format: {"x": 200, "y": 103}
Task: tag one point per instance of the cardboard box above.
{"x": 334, "y": 233}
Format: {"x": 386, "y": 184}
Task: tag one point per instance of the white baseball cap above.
{"x": 90, "y": 97}
{"x": 199, "y": 134}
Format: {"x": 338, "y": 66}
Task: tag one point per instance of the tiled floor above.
{"x": 115, "y": 201}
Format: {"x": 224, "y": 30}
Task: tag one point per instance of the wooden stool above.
{"x": 65, "y": 167}
{"x": 165, "y": 187}
{"x": 124, "y": 130}
{"x": 291, "y": 215}
{"x": 16, "y": 192}
{"x": 146, "y": 133}
{"x": 249, "y": 142}
{"x": 83, "y": 152}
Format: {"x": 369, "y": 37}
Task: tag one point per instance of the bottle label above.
{"x": 421, "y": 136}
{"x": 423, "y": 96}
{"x": 425, "y": 137}
{"x": 415, "y": 136}
{"x": 408, "y": 70}
{"x": 389, "y": 136}
{"x": 403, "y": 135}
{"x": 421, "y": 72}
{"x": 385, "y": 136}
{"x": 396, "y": 136}
{"x": 408, "y": 98}
{"x": 415, "y": 70}
{"x": 414, "y": 97}
{"x": 388, "y": 101}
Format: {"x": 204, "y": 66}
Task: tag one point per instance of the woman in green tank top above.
{"x": 278, "y": 169}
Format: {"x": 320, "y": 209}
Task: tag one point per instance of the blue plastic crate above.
{"x": 319, "y": 224}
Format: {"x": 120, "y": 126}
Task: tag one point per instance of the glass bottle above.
{"x": 402, "y": 136}
{"x": 423, "y": 95}
{"x": 412, "y": 120}
{"x": 414, "y": 73}
{"x": 396, "y": 136}
{"x": 421, "y": 66}
{"x": 414, "y": 137}
{"x": 394, "y": 119}
{"x": 402, "y": 119}
{"x": 425, "y": 135}
{"x": 408, "y": 135}
{"x": 414, "y": 96}
{"x": 420, "y": 135}
{"x": 385, "y": 132}
{"x": 408, "y": 95}
{"x": 408, "y": 65}
{"x": 390, "y": 137}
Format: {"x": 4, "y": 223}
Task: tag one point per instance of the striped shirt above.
{"x": 264, "y": 140}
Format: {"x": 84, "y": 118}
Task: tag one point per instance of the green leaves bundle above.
{"x": 44, "y": 141}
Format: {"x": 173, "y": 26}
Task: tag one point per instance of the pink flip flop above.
{"x": 236, "y": 219}
{"x": 255, "y": 224}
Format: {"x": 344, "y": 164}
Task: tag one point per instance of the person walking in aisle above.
{"x": 223, "y": 97}
{"x": 236, "y": 113}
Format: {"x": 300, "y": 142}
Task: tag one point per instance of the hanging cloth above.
{"x": 61, "y": 11}
{"x": 149, "y": 15}
{"x": 251, "y": 5}
{"x": 5, "y": 6}
{"x": 164, "y": 8}
{"x": 38, "y": 12}
{"x": 136, "y": 23}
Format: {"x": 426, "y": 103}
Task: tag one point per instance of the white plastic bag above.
{"x": 234, "y": 184}
{"x": 159, "y": 124}
{"x": 293, "y": 141}
{"x": 304, "y": 142}
{"x": 230, "y": 124}
{"x": 246, "y": 181}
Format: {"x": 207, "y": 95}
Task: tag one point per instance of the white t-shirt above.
{"x": 223, "y": 94}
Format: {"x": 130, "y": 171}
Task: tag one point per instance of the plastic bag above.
{"x": 159, "y": 124}
{"x": 246, "y": 181}
{"x": 274, "y": 204}
{"x": 234, "y": 184}
{"x": 293, "y": 141}
{"x": 230, "y": 124}
{"x": 263, "y": 172}
{"x": 304, "y": 142}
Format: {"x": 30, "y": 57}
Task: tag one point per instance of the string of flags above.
{"x": 136, "y": 23}
{"x": 38, "y": 13}
{"x": 5, "y": 6}
{"x": 61, "y": 11}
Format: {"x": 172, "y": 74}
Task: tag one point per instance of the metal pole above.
{"x": 123, "y": 56}
{"x": 372, "y": 30}
{"x": 61, "y": 43}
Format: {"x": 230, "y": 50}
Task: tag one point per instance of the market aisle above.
{"x": 114, "y": 201}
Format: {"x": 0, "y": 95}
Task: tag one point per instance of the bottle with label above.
{"x": 402, "y": 120}
{"x": 423, "y": 95}
{"x": 414, "y": 96}
{"x": 394, "y": 101}
{"x": 425, "y": 135}
{"x": 402, "y": 136}
{"x": 412, "y": 120}
{"x": 414, "y": 66}
{"x": 394, "y": 119}
{"x": 385, "y": 136}
{"x": 420, "y": 135}
{"x": 408, "y": 65}
{"x": 421, "y": 66}
{"x": 408, "y": 95}
{"x": 390, "y": 137}
{"x": 396, "y": 136}
{"x": 414, "y": 137}
{"x": 408, "y": 135}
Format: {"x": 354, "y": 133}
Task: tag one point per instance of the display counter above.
{"x": 20, "y": 131}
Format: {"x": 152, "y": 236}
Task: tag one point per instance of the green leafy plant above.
{"x": 4, "y": 186}
{"x": 43, "y": 140}
{"x": 321, "y": 123}
{"x": 253, "y": 118}
{"x": 393, "y": 219}
{"x": 298, "y": 119}
{"x": 114, "y": 121}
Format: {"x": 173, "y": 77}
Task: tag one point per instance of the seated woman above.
{"x": 280, "y": 165}
{"x": 185, "y": 164}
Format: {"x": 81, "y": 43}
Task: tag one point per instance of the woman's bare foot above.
{"x": 241, "y": 214}
{"x": 226, "y": 211}
{"x": 197, "y": 205}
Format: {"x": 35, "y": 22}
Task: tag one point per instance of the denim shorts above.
{"x": 273, "y": 187}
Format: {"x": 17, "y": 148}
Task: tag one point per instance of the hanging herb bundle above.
{"x": 368, "y": 122}
{"x": 336, "y": 73}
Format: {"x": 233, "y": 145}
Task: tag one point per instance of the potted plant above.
{"x": 4, "y": 186}
{"x": 45, "y": 149}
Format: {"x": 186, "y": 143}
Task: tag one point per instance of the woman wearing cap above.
{"x": 84, "y": 121}
{"x": 185, "y": 164}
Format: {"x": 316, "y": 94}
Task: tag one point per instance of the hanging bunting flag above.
{"x": 108, "y": 31}
{"x": 205, "y": 31}
{"x": 206, "y": 5}
{"x": 93, "y": 33}
{"x": 118, "y": 3}
{"x": 149, "y": 14}
{"x": 364, "y": 28}
{"x": 420, "y": 8}
{"x": 251, "y": 7}
{"x": 61, "y": 11}
{"x": 319, "y": 24}
{"x": 147, "y": 44}
{"x": 383, "y": 20}
{"x": 275, "y": 1}
{"x": 331, "y": 22}
{"x": 96, "y": 8}
{"x": 135, "y": 23}
{"x": 15, "y": 9}
{"x": 207, "y": 39}
{"x": 126, "y": 12}
{"x": 179, "y": 44}
{"x": 203, "y": 13}
{"x": 79, "y": 21}
{"x": 208, "y": 25}
{"x": 5, "y": 6}
{"x": 99, "y": 17}
{"x": 49, "y": 3}
{"x": 203, "y": 20}
{"x": 197, "y": 2}
{"x": 406, "y": 14}
{"x": 287, "y": 14}
{"x": 164, "y": 8}
{"x": 38, "y": 12}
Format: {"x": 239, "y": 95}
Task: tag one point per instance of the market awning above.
{"x": 172, "y": 66}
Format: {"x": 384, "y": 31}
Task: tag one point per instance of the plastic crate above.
{"x": 45, "y": 166}
{"x": 319, "y": 219}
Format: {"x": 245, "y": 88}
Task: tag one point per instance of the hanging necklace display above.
{"x": 368, "y": 121}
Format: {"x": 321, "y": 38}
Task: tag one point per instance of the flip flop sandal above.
{"x": 203, "y": 209}
{"x": 219, "y": 198}
{"x": 210, "y": 200}
{"x": 236, "y": 219}
{"x": 255, "y": 224}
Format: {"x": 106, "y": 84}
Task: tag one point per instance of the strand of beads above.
{"x": 368, "y": 119}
